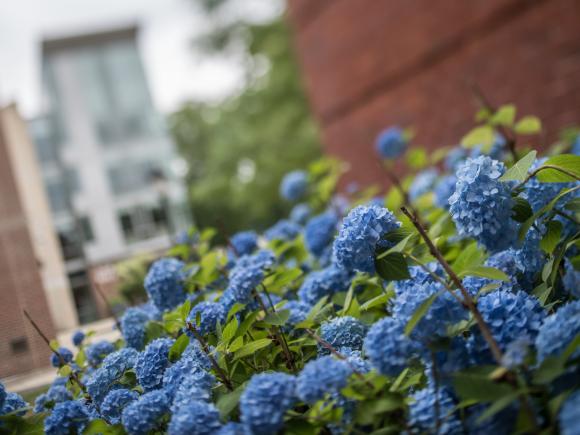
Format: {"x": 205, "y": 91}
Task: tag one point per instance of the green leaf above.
{"x": 542, "y": 292}
{"x": 420, "y": 312}
{"x": 54, "y": 345}
{"x": 65, "y": 370}
{"x": 348, "y": 299}
{"x": 470, "y": 257}
{"x": 480, "y": 136}
{"x": 230, "y": 330}
{"x": 497, "y": 406}
{"x": 178, "y": 347}
{"x": 228, "y": 402}
{"x": 550, "y": 369}
{"x": 567, "y": 162}
{"x": 552, "y": 236}
{"x": 236, "y": 344}
{"x": 185, "y": 309}
{"x": 573, "y": 205}
{"x": 521, "y": 209}
{"x": 485, "y": 272}
{"x": 252, "y": 347}
{"x": 479, "y": 387}
{"x": 528, "y": 125}
{"x": 277, "y": 318}
{"x": 282, "y": 278}
{"x": 392, "y": 267}
{"x": 101, "y": 427}
{"x": 519, "y": 171}
{"x": 153, "y": 330}
{"x": 417, "y": 158}
{"x": 377, "y": 300}
{"x": 483, "y": 114}
{"x": 505, "y": 115}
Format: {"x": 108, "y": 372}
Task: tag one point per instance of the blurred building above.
{"x": 368, "y": 64}
{"x": 110, "y": 171}
{"x": 31, "y": 267}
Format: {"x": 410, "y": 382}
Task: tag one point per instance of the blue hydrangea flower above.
{"x": 423, "y": 412}
{"x": 360, "y": 235}
{"x": 481, "y": 206}
{"x": 54, "y": 395}
{"x": 323, "y": 375}
{"x": 422, "y": 183}
{"x": 152, "y": 362}
{"x": 114, "y": 366}
{"x": 193, "y": 364}
{"x": 510, "y": 316}
{"x": 319, "y": 232}
{"x": 283, "y": 230}
{"x": 210, "y": 314}
{"x": 265, "y": 400}
{"x": 516, "y": 352}
{"x": 133, "y": 325}
{"x": 244, "y": 242}
{"x": 195, "y": 418}
{"x": 569, "y": 416}
{"x": 14, "y": 402}
{"x": 144, "y": 414}
{"x": 233, "y": 428}
{"x": 501, "y": 423}
{"x": 2, "y": 396}
{"x": 450, "y": 360}
{"x": 67, "y": 357}
{"x": 506, "y": 261}
{"x": 391, "y": 143}
{"x": 293, "y": 186}
{"x": 114, "y": 403}
{"x": 530, "y": 258}
{"x": 539, "y": 194}
{"x": 325, "y": 282}
{"x": 66, "y": 418}
{"x": 443, "y": 312}
{"x": 558, "y": 331}
{"x": 443, "y": 191}
{"x": 246, "y": 275}
{"x": 343, "y": 332}
{"x": 78, "y": 338}
{"x": 196, "y": 385}
{"x": 298, "y": 311}
{"x": 455, "y": 158}
{"x": 571, "y": 279}
{"x": 300, "y": 213}
{"x": 387, "y": 347}
{"x": 355, "y": 360}
{"x": 96, "y": 352}
{"x": 164, "y": 283}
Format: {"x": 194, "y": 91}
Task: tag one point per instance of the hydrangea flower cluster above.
{"x": 164, "y": 283}
{"x": 391, "y": 143}
{"x": 481, "y": 206}
{"x": 308, "y": 337}
{"x": 244, "y": 243}
{"x": 61, "y": 357}
{"x": 361, "y": 234}
{"x": 319, "y": 232}
{"x": 265, "y": 400}
{"x": 293, "y": 186}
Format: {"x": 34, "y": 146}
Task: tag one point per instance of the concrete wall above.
{"x": 368, "y": 64}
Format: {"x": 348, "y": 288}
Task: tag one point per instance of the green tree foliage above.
{"x": 239, "y": 150}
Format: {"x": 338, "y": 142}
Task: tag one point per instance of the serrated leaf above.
{"x": 505, "y": 115}
{"x": 252, "y": 347}
{"x": 420, "y": 312}
{"x": 480, "y": 136}
{"x": 178, "y": 347}
{"x": 567, "y": 162}
{"x": 485, "y": 272}
{"x": 519, "y": 171}
{"x": 392, "y": 267}
{"x": 552, "y": 236}
{"x": 528, "y": 125}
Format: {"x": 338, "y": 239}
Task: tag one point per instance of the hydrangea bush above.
{"x": 447, "y": 306}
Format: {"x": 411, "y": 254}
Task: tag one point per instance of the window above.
{"x": 86, "y": 229}
{"x": 57, "y": 195}
{"x": 143, "y": 222}
{"x": 19, "y": 345}
{"x": 131, "y": 177}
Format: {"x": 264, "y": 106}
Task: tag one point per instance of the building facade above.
{"x": 368, "y": 64}
{"x": 110, "y": 171}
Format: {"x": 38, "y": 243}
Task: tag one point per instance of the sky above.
{"x": 176, "y": 71}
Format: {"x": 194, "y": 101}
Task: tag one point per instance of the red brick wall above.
{"x": 20, "y": 283}
{"x": 368, "y": 64}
